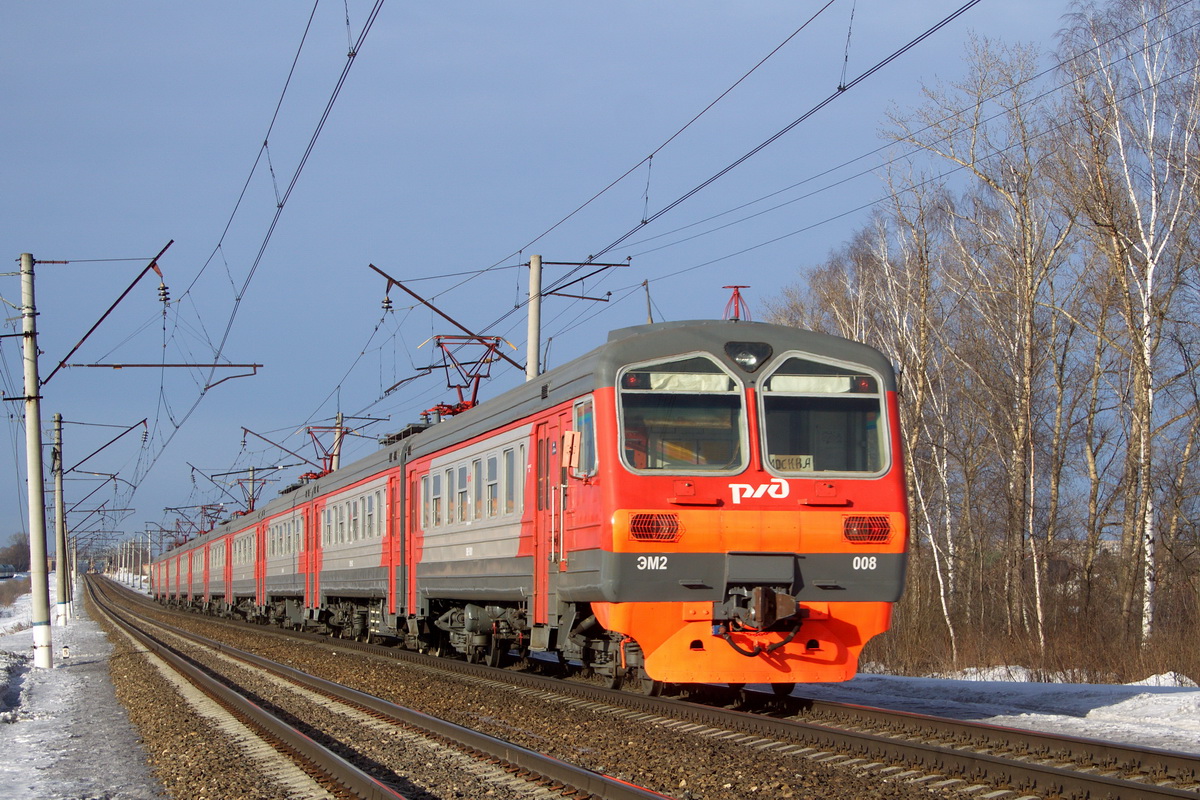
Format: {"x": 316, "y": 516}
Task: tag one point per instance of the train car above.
{"x": 692, "y": 502}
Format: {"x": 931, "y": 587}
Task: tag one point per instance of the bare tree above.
{"x": 1011, "y": 238}
{"x": 1136, "y": 97}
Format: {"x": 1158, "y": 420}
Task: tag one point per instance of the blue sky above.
{"x": 463, "y": 133}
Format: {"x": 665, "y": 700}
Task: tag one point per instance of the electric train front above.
{"x": 762, "y": 520}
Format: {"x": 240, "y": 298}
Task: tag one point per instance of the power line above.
{"x": 839, "y": 92}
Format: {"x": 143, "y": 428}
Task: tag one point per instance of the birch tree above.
{"x": 1136, "y": 97}
{"x": 1011, "y": 238}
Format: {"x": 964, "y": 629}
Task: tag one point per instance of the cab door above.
{"x": 549, "y": 491}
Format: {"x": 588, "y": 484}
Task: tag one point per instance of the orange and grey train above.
{"x": 691, "y": 502}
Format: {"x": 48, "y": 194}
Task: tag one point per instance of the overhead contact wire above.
{"x": 841, "y": 90}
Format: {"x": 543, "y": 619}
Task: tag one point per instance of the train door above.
{"x": 416, "y": 522}
{"x": 313, "y": 531}
{"x": 394, "y": 541}
{"x": 228, "y": 551}
{"x": 549, "y": 501}
{"x": 206, "y": 572}
{"x": 260, "y": 565}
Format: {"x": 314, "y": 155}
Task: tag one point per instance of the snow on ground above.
{"x": 63, "y": 734}
{"x": 67, "y": 737}
{"x": 1162, "y": 711}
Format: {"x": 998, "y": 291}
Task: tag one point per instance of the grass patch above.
{"x": 11, "y": 589}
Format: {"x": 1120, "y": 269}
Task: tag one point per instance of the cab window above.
{"x": 682, "y": 416}
{"x": 821, "y": 418}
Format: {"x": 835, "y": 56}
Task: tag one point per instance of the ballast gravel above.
{"x": 672, "y": 762}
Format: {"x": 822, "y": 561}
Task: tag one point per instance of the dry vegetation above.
{"x": 11, "y": 589}
{"x": 1036, "y": 276}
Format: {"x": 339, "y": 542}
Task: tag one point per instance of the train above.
{"x": 699, "y": 502}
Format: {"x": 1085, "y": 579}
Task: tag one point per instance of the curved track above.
{"x": 947, "y": 755}
{"x": 518, "y": 770}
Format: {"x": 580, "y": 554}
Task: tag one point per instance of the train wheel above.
{"x": 650, "y": 687}
{"x": 783, "y": 689}
{"x": 497, "y": 649}
{"x": 615, "y": 680}
{"x": 524, "y": 662}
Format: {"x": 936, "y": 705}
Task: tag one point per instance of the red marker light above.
{"x": 635, "y": 380}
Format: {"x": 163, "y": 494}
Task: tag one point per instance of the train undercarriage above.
{"x": 488, "y": 634}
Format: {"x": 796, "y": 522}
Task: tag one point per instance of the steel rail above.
{"x": 1179, "y": 766}
{"x": 963, "y": 759}
{"x": 592, "y": 784}
{"x": 286, "y": 738}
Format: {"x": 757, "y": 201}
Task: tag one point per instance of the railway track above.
{"x": 271, "y": 699}
{"x": 947, "y": 756}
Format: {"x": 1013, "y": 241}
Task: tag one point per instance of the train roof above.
{"x": 595, "y": 369}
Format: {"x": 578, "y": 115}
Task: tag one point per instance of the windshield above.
{"x": 681, "y": 416}
{"x": 823, "y": 418}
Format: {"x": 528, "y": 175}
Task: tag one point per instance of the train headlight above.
{"x": 748, "y": 355}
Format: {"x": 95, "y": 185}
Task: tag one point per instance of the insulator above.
{"x": 163, "y": 294}
{"x": 387, "y": 303}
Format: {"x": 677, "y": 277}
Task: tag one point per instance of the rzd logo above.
{"x": 777, "y": 488}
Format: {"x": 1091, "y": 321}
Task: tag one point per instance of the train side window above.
{"x": 451, "y": 496}
{"x": 543, "y": 468}
{"x": 436, "y": 507}
{"x": 354, "y": 521}
{"x": 463, "y": 494}
{"x": 477, "y": 489}
{"x": 369, "y": 517}
{"x": 585, "y": 424}
{"x": 340, "y": 538}
{"x": 493, "y": 486}
{"x": 520, "y": 476}
{"x": 510, "y": 482}
{"x": 412, "y": 506}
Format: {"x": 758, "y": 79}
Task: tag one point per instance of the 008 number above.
{"x": 865, "y": 562}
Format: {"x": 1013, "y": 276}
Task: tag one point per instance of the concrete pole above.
{"x": 74, "y": 568}
{"x": 335, "y": 455}
{"x": 43, "y": 654}
{"x": 62, "y": 608}
{"x": 534, "y": 338}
